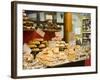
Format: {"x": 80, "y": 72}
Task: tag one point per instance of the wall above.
{"x": 5, "y": 40}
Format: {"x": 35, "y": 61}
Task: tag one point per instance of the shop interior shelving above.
{"x": 86, "y": 31}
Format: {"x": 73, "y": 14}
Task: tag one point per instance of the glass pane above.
{"x": 42, "y": 17}
{"x": 33, "y": 16}
{"x": 60, "y": 17}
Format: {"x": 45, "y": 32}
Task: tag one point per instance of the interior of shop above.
{"x": 56, "y": 39}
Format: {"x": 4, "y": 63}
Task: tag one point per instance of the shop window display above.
{"x": 45, "y": 45}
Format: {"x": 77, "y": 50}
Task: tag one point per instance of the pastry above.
{"x": 34, "y": 42}
{"x": 28, "y": 57}
{"x": 62, "y": 56}
{"x": 32, "y": 46}
{"x": 56, "y": 50}
{"x": 44, "y": 42}
{"x": 71, "y": 55}
{"x": 42, "y": 46}
{"x": 35, "y": 49}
